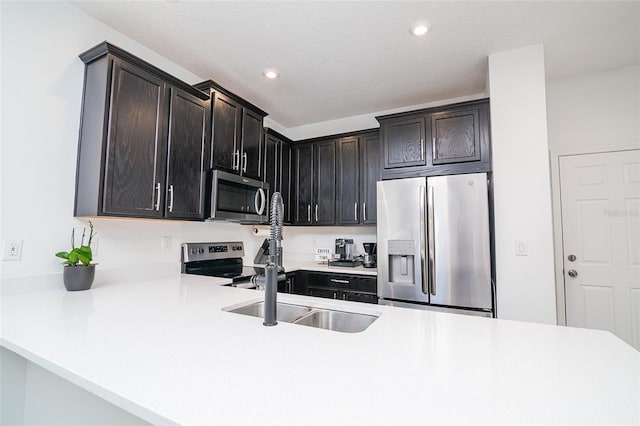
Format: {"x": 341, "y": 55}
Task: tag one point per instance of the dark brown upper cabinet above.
{"x": 315, "y": 183}
{"x": 187, "y": 157}
{"x": 143, "y": 140}
{"x": 404, "y": 142}
{"x": 303, "y": 182}
{"x": 335, "y": 179}
{"x": 236, "y": 132}
{"x": 324, "y": 183}
{"x": 369, "y": 176}
{"x": 455, "y": 136}
{"x": 445, "y": 140}
{"x": 348, "y": 181}
{"x": 357, "y": 171}
{"x": 278, "y": 167}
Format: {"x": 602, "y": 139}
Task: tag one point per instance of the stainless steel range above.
{"x": 222, "y": 260}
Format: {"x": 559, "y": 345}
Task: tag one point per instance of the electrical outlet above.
{"x": 522, "y": 248}
{"x": 12, "y": 250}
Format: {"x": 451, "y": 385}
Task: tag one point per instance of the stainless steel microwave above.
{"x": 237, "y": 199}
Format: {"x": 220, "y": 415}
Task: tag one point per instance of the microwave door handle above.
{"x": 263, "y": 198}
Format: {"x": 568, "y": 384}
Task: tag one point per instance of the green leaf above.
{"x": 73, "y": 257}
{"x": 62, "y": 254}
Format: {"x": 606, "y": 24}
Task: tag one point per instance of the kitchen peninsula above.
{"x": 163, "y": 350}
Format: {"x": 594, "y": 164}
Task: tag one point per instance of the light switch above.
{"x": 522, "y": 248}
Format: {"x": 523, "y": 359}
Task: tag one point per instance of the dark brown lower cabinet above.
{"x": 356, "y": 288}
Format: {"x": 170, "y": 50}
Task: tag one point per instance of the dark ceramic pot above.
{"x": 78, "y": 277}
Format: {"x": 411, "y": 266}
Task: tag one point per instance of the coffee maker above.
{"x": 370, "y": 255}
{"x": 344, "y": 254}
{"x": 344, "y": 248}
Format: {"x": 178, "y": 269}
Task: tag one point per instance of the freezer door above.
{"x": 401, "y": 234}
{"x": 459, "y": 248}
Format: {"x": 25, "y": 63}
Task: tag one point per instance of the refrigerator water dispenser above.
{"x": 401, "y": 261}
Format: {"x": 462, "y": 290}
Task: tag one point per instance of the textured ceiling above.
{"x": 343, "y": 58}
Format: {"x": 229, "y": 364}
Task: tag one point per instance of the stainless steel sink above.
{"x": 285, "y": 312}
{"x": 328, "y": 319}
{"x": 346, "y": 322}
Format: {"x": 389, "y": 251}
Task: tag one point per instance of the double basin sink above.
{"x": 328, "y": 319}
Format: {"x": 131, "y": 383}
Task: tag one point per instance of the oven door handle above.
{"x": 263, "y": 200}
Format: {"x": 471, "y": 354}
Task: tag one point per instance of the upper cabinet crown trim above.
{"x": 208, "y": 85}
{"x": 108, "y": 48}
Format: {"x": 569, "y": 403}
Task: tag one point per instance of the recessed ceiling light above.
{"x": 419, "y": 30}
{"x": 271, "y": 73}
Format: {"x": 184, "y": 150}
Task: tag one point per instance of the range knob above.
{"x": 194, "y": 250}
{"x": 200, "y": 250}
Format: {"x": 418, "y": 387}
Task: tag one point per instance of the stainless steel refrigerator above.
{"x": 434, "y": 247}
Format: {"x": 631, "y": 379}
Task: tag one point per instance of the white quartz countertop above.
{"x": 164, "y": 350}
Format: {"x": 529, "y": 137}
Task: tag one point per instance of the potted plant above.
{"x": 79, "y": 272}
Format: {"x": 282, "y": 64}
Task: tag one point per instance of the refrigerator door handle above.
{"x": 423, "y": 237}
{"x": 432, "y": 242}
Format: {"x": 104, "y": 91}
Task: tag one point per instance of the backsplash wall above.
{"x": 300, "y": 242}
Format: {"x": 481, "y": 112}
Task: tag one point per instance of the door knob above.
{"x": 571, "y": 258}
{"x": 572, "y": 273}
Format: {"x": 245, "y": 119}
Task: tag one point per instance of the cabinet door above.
{"x": 271, "y": 163}
{"x": 348, "y": 179}
{"x": 186, "y": 168}
{"x": 304, "y": 184}
{"x": 324, "y": 182}
{"x": 225, "y": 142}
{"x": 404, "y": 142}
{"x": 322, "y": 292}
{"x": 356, "y": 296}
{"x": 136, "y": 144}
{"x": 369, "y": 176}
{"x": 455, "y": 137}
{"x": 285, "y": 179}
{"x": 250, "y": 154}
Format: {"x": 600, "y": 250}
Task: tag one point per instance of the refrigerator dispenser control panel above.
{"x": 401, "y": 247}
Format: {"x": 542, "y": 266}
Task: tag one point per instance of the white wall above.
{"x": 525, "y": 284}
{"x": 594, "y": 111}
{"x": 364, "y": 121}
{"x": 42, "y": 79}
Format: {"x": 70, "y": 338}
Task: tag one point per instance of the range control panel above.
{"x": 211, "y": 251}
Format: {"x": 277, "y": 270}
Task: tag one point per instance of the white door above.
{"x": 600, "y": 196}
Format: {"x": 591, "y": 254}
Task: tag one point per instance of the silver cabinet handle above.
{"x": 423, "y": 237}
{"x": 433, "y": 149}
{"x": 170, "y": 198}
{"x": 308, "y": 212}
{"x": 421, "y": 149}
{"x": 344, "y": 296}
{"x": 316, "y": 212}
{"x": 158, "y": 196}
{"x": 335, "y": 280}
{"x": 364, "y": 212}
{"x": 244, "y": 161}
{"x": 236, "y": 160}
{"x": 355, "y": 211}
{"x": 432, "y": 241}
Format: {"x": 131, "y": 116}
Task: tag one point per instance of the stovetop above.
{"x": 217, "y": 260}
